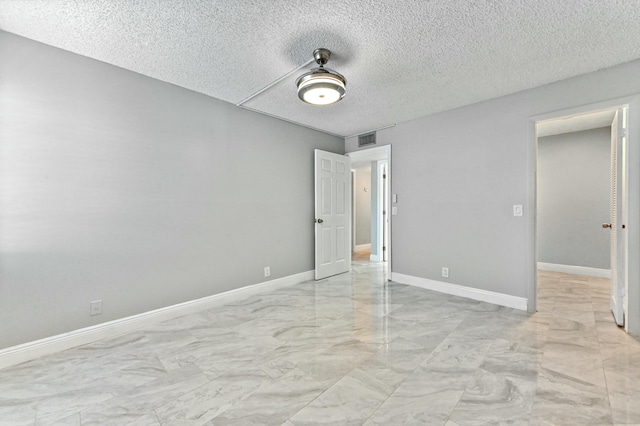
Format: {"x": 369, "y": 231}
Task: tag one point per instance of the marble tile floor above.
{"x": 349, "y": 350}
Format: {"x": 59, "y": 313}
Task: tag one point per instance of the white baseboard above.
{"x": 462, "y": 291}
{"x": 577, "y": 270}
{"x": 32, "y": 350}
{"x": 361, "y": 247}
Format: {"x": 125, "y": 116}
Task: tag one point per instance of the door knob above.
{"x": 606, "y": 225}
{"x": 319, "y": 220}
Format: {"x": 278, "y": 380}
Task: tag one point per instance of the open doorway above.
{"x": 361, "y": 213}
{"x": 581, "y": 200}
{"x": 370, "y": 213}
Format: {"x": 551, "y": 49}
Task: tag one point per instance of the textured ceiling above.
{"x": 402, "y": 59}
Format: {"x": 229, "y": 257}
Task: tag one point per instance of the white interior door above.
{"x": 333, "y": 213}
{"x": 618, "y": 208}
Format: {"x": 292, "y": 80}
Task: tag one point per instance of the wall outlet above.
{"x": 267, "y": 271}
{"x": 445, "y": 272}
{"x": 95, "y": 308}
{"x": 517, "y": 210}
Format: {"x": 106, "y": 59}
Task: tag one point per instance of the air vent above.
{"x": 368, "y": 139}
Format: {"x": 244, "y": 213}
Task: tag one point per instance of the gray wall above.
{"x": 458, "y": 174}
{"x": 363, "y": 205}
{"x": 118, "y": 187}
{"x": 574, "y": 196}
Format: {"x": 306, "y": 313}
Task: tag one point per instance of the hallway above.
{"x": 352, "y": 349}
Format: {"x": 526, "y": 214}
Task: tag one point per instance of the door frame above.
{"x": 632, "y": 103}
{"x": 384, "y": 206}
{"x": 353, "y": 208}
{"x": 382, "y": 153}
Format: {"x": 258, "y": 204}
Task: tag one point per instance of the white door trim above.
{"x": 384, "y": 206}
{"x": 354, "y": 176}
{"x": 618, "y": 213}
{"x": 633, "y": 226}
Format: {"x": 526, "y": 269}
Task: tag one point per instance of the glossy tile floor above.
{"x": 349, "y": 350}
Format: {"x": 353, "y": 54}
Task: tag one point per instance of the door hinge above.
{"x": 384, "y": 176}
{"x": 384, "y": 248}
{"x": 384, "y": 212}
{"x": 623, "y": 132}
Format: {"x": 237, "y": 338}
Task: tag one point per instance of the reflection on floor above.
{"x": 352, "y": 349}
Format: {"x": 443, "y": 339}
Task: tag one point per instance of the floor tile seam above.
{"x": 606, "y": 380}
{"x": 208, "y": 382}
{"x": 378, "y": 407}
{"x": 461, "y": 395}
{"x": 164, "y": 421}
{"x": 345, "y": 375}
{"x": 158, "y": 418}
{"x": 330, "y": 387}
{"x": 477, "y": 369}
{"x": 85, "y": 407}
{"x": 313, "y": 399}
{"x": 37, "y": 417}
{"x": 395, "y": 388}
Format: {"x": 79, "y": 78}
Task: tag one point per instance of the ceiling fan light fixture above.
{"x": 321, "y": 86}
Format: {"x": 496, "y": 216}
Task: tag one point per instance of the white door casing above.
{"x": 332, "y": 214}
{"x": 618, "y": 208}
{"x": 353, "y": 209}
{"x": 383, "y": 199}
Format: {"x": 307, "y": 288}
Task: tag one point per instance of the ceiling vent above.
{"x": 367, "y": 139}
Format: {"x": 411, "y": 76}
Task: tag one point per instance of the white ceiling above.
{"x": 402, "y": 59}
{"x": 575, "y": 123}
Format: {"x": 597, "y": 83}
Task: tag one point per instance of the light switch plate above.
{"x": 394, "y": 198}
{"x": 394, "y": 210}
{"x": 517, "y": 210}
{"x": 95, "y": 307}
